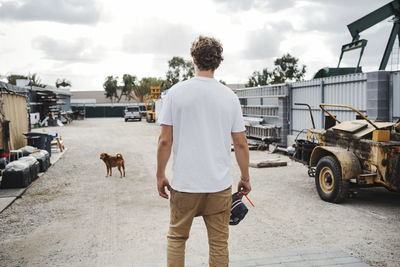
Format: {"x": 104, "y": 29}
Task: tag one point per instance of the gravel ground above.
{"x": 75, "y": 216}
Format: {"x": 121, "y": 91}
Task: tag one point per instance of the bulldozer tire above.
{"x": 328, "y": 180}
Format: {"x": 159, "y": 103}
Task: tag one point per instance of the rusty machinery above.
{"x": 348, "y": 154}
{"x": 150, "y": 103}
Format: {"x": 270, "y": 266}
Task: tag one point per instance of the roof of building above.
{"x": 13, "y": 88}
{"x": 24, "y": 83}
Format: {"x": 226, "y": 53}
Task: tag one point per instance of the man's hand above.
{"x": 242, "y": 158}
{"x": 163, "y": 153}
{"x": 244, "y": 186}
{"x": 161, "y": 184}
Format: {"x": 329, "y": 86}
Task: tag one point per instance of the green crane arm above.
{"x": 358, "y": 26}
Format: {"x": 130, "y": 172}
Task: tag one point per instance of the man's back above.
{"x": 199, "y": 120}
{"x": 203, "y": 113}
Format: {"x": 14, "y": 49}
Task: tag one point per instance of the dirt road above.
{"x": 75, "y": 216}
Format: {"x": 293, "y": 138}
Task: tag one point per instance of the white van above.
{"x": 132, "y": 113}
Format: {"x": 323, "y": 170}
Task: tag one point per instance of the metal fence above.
{"x": 100, "y": 111}
{"x": 346, "y": 90}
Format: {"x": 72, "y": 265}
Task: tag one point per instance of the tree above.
{"x": 179, "y": 70}
{"x": 111, "y": 86}
{"x": 128, "y": 87}
{"x": 12, "y": 79}
{"x": 63, "y": 83}
{"x": 259, "y": 78}
{"x": 286, "y": 69}
{"x": 36, "y": 81}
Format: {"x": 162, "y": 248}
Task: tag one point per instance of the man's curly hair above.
{"x": 207, "y": 53}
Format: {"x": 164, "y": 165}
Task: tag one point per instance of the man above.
{"x": 200, "y": 118}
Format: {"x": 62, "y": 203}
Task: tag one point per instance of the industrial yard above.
{"x": 74, "y": 216}
{"x": 322, "y": 129}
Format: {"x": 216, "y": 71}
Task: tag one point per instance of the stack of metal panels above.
{"x": 260, "y": 111}
{"x": 264, "y": 132}
{"x": 263, "y": 91}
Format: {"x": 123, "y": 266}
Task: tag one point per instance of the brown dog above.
{"x": 113, "y": 161}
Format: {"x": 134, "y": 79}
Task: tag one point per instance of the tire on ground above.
{"x": 328, "y": 180}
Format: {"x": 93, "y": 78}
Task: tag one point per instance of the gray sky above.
{"x": 85, "y": 41}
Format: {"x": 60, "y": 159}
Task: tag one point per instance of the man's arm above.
{"x": 242, "y": 158}
{"x": 163, "y": 153}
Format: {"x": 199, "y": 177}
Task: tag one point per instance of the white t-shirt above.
{"x": 203, "y": 113}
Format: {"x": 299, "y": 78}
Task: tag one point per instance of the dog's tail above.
{"x": 119, "y": 155}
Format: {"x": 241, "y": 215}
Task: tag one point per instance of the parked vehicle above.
{"x": 132, "y": 113}
{"x": 348, "y": 154}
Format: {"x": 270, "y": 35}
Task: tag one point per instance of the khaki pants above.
{"x": 215, "y": 209}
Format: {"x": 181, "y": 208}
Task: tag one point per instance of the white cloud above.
{"x": 334, "y": 16}
{"x": 159, "y": 38}
{"x": 64, "y": 11}
{"x": 85, "y": 41}
{"x": 80, "y": 50}
{"x": 245, "y": 5}
{"x": 237, "y": 5}
{"x": 264, "y": 43}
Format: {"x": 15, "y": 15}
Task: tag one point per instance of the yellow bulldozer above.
{"x": 351, "y": 154}
{"x": 150, "y": 103}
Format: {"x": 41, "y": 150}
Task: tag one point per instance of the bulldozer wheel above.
{"x": 328, "y": 180}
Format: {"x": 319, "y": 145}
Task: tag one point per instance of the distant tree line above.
{"x": 286, "y": 68}
{"x": 130, "y": 87}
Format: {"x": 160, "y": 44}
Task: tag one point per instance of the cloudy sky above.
{"x": 85, "y": 41}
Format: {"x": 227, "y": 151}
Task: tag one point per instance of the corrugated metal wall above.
{"x": 345, "y": 90}
{"x": 395, "y": 78}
